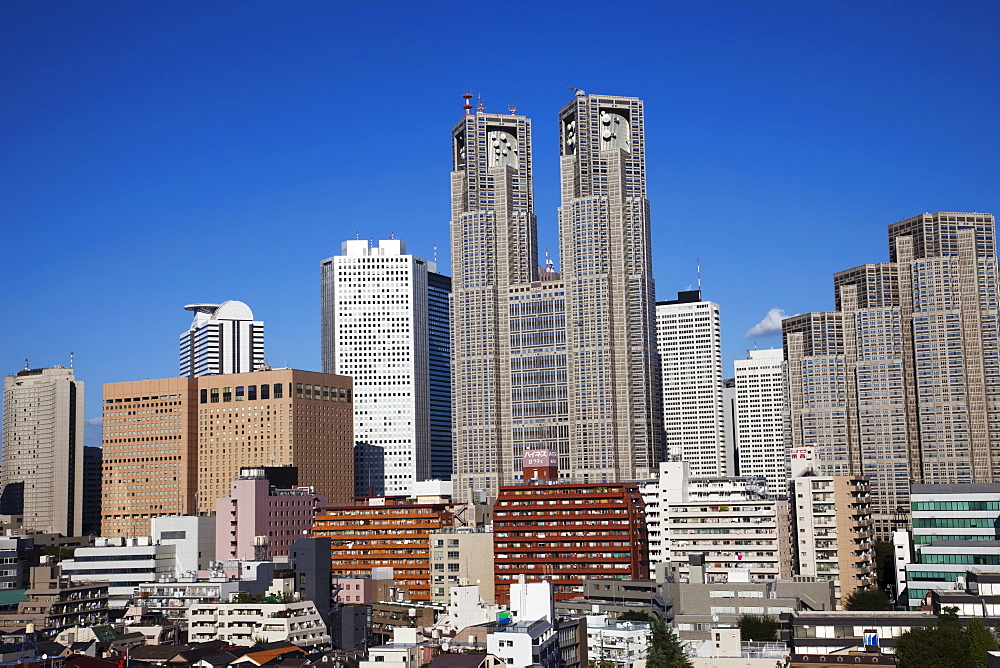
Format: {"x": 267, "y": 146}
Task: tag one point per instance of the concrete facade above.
{"x": 900, "y": 382}
{"x": 689, "y": 340}
{"x": 377, "y": 328}
{"x": 541, "y": 360}
{"x": 258, "y": 522}
{"x": 833, "y": 532}
{"x": 760, "y": 418}
{"x": 42, "y": 468}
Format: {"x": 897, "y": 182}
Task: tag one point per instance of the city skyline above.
{"x": 783, "y": 138}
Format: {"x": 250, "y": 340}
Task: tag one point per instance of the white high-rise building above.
{"x": 379, "y": 316}
{"x": 760, "y": 403}
{"x": 222, "y": 338}
{"x": 689, "y": 338}
{"x": 42, "y": 467}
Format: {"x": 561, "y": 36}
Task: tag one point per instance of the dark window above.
{"x": 227, "y": 394}
{"x": 251, "y": 393}
{"x": 204, "y": 396}
{"x": 277, "y": 390}
{"x": 265, "y": 391}
{"x": 240, "y": 393}
{"x": 215, "y": 395}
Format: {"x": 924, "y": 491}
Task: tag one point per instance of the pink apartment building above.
{"x": 258, "y": 522}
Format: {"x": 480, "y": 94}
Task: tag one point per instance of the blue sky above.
{"x": 155, "y": 154}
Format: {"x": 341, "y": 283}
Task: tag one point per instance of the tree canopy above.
{"x": 946, "y": 644}
{"x": 868, "y": 599}
{"x": 758, "y": 627}
{"x": 666, "y": 650}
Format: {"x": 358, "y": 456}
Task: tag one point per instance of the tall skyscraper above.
{"x": 42, "y": 467}
{"x": 760, "y": 418}
{"x": 902, "y": 382}
{"x": 689, "y": 336}
{"x": 222, "y": 338}
{"x": 543, "y": 361}
{"x": 385, "y": 324}
{"x": 173, "y": 445}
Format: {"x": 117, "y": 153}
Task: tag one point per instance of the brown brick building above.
{"x": 567, "y": 532}
{"x": 385, "y": 532}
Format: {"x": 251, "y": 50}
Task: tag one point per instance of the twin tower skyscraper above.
{"x": 563, "y": 362}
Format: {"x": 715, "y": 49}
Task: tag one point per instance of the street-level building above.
{"x": 833, "y": 531}
{"x": 386, "y": 533}
{"x": 565, "y": 532}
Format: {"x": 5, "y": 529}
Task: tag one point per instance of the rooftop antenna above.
{"x": 357, "y": 234}
{"x": 467, "y": 96}
{"x": 435, "y": 253}
{"x": 481, "y": 107}
{"x": 392, "y": 235}
{"x": 25, "y": 363}
{"x": 697, "y": 261}
{"x": 71, "y": 359}
{"x": 512, "y": 107}
{"x": 550, "y": 266}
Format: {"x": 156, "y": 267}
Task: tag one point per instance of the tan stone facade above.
{"x": 174, "y": 445}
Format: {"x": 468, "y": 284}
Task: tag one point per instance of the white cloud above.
{"x": 771, "y": 324}
{"x": 94, "y": 422}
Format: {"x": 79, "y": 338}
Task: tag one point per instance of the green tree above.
{"x": 946, "y": 644}
{"x": 758, "y": 627}
{"x": 981, "y": 640}
{"x": 635, "y": 616}
{"x": 868, "y": 599}
{"x": 666, "y": 650}
{"x": 937, "y": 646}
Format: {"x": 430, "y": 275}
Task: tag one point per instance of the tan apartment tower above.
{"x": 172, "y": 446}
{"x": 833, "y": 536}
{"x": 42, "y": 467}
{"x": 902, "y": 382}
{"x": 542, "y": 361}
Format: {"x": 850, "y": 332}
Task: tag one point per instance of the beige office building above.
{"x": 173, "y": 446}
{"x": 150, "y": 453}
{"x": 42, "y": 468}
{"x": 564, "y": 362}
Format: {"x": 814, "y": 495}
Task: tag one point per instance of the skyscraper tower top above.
{"x": 222, "y": 338}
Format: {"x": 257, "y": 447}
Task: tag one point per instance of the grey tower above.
{"x": 565, "y": 363}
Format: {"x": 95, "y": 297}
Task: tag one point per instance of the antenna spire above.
{"x": 467, "y": 96}
{"x": 697, "y": 261}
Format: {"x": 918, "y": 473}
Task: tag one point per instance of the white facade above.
{"x": 524, "y": 644}
{"x": 193, "y": 539}
{"x": 123, "y": 563}
{"x": 689, "y": 338}
{"x": 222, "y": 338}
{"x": 760, "y": 402}
{"x": 731, "y": 520}
{"x": 615, "y": 642}
{"x": 375, "y": 329}
{"x": 42, "y": 468}
{"x": 297, "y": 622}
